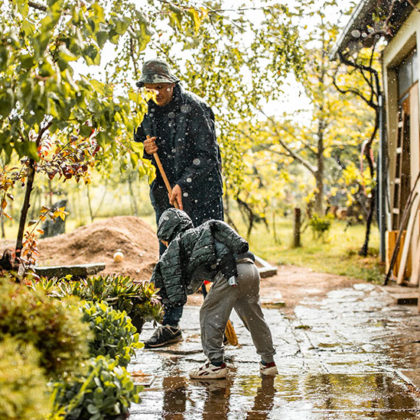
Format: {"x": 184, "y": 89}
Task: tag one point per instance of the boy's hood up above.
{"x": 171, "y": 223}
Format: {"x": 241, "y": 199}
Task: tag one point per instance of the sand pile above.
{"x": 99, "y": 241}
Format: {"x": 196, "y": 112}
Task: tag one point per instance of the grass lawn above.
{"x": 336, "y": 253}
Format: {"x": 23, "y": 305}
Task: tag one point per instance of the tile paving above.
{"x": 342, "y": 357}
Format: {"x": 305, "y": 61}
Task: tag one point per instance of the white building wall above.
{"x": 407, "y": 38}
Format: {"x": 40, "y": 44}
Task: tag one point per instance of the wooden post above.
{"x": 296, "y": 228}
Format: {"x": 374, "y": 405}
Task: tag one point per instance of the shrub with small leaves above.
{"x": 320, "y": 224}
{"x": 53, "y": 326}
{"x": 23, "y": 386}
{"x": 139, "y": 300}
{"x": 114, "y": 334}
{"x": 106, "y": 393}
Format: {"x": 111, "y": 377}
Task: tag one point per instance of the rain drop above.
{"x": 196, "y": 161}
{"x": 189, "y": 180}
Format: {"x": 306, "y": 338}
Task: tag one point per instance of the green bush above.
{"x": 53, "y": 326}
{"x": 106, "y": 393}
{"x": 23, "y": 386}
{"x": 114, "y": 334}
{"x": 139, "y": 300}
{"x": 320, "y": 224}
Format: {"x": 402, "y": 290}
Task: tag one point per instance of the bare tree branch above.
{"x": 291, "y": 152}
{"x": 37, "y": 6}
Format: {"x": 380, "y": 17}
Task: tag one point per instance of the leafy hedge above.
{"x": 23, "y": 386}
{"x": 139, "y": 300}
{"x": 54, "y": 327}
{"x": 80, "y": 348}
{"x": 105, "y": 393}
{"x": 114, "y": 334}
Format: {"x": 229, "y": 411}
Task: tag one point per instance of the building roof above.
{"x": 364, "y": 25}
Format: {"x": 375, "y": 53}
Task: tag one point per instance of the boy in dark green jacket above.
{"x": 212, "y": 251}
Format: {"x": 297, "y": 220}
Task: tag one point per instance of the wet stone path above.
{"x": 338, "y": 358}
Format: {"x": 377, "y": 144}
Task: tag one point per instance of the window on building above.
{"x": 407, "y": 73}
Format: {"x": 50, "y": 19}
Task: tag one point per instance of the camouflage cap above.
{"x": 156, "y": 71}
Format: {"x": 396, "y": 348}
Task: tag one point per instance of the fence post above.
{"x": 296, "y": 228}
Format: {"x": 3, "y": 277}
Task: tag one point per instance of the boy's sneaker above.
{"x": 209, "y": 371}
{"x": 163, "y": 336}
{"x": 268, "y": 369}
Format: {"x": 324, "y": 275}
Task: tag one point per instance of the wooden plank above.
{"x": 391, "y": 239}
{"x": 415, "y": 273}
{"x": 398, "y": 172}
{"x": 404, "y": 266}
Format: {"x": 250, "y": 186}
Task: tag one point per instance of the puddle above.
{"x": 308, "y": 396}
{"x": 337, "y": 360}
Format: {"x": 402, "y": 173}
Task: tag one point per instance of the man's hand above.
{"x": 176, "y": 197}
{"x": 150, "y": 145}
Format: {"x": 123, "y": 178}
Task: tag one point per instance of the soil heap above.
{"x": 98, "y": 242}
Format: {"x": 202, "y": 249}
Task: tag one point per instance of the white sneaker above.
{"x": 209, "y": 371}
{"x": 269, "y": 369}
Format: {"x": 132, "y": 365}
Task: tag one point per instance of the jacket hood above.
{"x": 171, "y": 223}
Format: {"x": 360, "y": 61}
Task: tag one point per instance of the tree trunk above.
{"x": 102, "y": 200}
{"x": 25, "y": 206}
{"x": 3, "y": 233}
{"x": 50, "y": 193}
{"x": 89, "y": 204}
{"x": 372, "y": 202}
{"x": 273, "y": 223}
{"x": 296, "y": 228}
{"x": 319, "y": 195}
{"x": 132, "y": 196}
{"x": 319, "y": 174}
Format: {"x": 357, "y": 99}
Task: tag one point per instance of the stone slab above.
{"x": 265, "y": 269}
{"x": 82, "y": 270}
{"x": 407, "y": 300}
{"x": 411, "y": 376}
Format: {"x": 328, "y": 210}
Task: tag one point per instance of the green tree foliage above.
{"x": 231, "y": 62}
{"x": 314, "y": 151}
{"x": 361, "y": 80}
{"x": 236, "y": 59}
{"x": 42, "y": 102}
{"x": 40, "y": 94}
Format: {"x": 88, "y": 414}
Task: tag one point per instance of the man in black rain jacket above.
{"x": 179, "y": 126}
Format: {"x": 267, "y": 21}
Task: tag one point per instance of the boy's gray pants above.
{"x": 245, "y": 299}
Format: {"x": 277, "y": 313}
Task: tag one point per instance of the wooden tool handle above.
{"x": 162, "y": 172}
{"x": 164, "y": 177}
